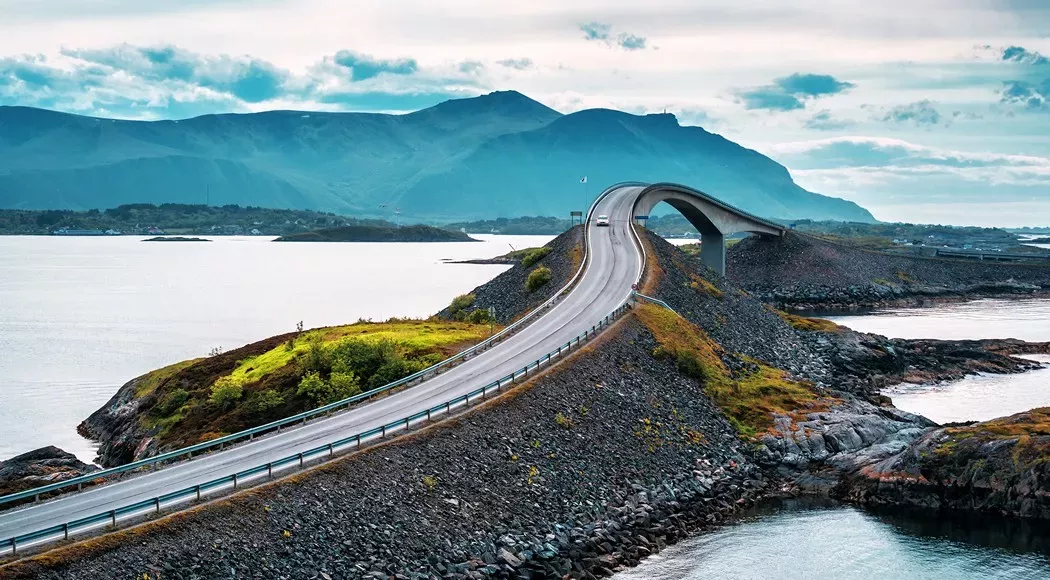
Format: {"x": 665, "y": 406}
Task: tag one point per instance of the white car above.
{"x": 603, "y": 220}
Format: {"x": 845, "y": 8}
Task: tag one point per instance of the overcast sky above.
{"x": 930, "y": 110}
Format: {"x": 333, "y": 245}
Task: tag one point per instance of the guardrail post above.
{"x": 331, "y": 450}
{"x": 384, "y": 431}
{"x": 448, "y": 407}
{"x": 358, "y": 440}
{"x": 65, "y": 531}
{"x": 234, "y": 481}
{"x": 14, "y": 547}
{"x": 198, "y": 493}
{"x": 157, "y": 500}
{"x": 80, "y": 486}
{"x": 113, "y": 516}
{"x": 300, "y": 460}
{"x": 428, "y": 415}
{"x": 269, "y": 470}
{"x": 36, "y": 498}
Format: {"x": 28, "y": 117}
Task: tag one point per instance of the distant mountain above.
{"x": 497, "y": 155}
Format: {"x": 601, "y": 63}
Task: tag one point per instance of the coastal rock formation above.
{"x": 998, "y": 467}
{"x": 40, "y": 467}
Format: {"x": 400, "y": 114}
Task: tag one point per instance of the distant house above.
{"x": 154, "y": 231}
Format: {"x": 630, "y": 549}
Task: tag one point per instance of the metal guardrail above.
{"x": 11, "y": 546}
{"x": 656, "y": 301}
{"x": 155, "y": 504}
{"x": 250, "y": 434}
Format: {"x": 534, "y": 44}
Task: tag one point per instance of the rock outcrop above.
{"x": 40, "y": 467}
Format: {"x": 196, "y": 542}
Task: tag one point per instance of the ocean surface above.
{"x": 975, "y": 398}
{"x": 80, "y": 316}
{"x": 807, "y": 540}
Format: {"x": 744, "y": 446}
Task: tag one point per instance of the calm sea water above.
{"x": 81, "y": 316}
{"x": 806, "y": 541}
{"x": 976, "y": 398}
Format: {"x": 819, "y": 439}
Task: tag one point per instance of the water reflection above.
{"x": 821, "y": 540}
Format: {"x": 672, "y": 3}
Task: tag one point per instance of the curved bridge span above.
{"x": 600, "y": 291}
{"x": 713, "y": 218}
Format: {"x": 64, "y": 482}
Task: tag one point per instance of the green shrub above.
{"x": 344, "y": 385}
{"x": 392, "y": 370}
{"x": 317, "y": 357}
{"x": 313, "y": 387}
{"x": 478, "y": 316}
{"x": 171, "y": 402}
{"x": 458, "y": 309}
{"x": 538, "y": 278}
{"x": 361, "y": 357}
{"x": 263, "y": 402}
{"x": 225, "y": 392}
{"x": 534, "y": 255}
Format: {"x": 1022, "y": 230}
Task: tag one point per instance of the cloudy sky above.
{"x": 932, "y": 110}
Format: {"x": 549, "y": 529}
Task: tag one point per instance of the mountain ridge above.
{"x": 496, "y": 155}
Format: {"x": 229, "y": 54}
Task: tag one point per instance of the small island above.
{"x": 175, "y": 239}
{"x": 375, "y": 233}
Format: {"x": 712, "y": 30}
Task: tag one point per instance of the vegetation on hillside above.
{"x": 749, "y": 394}
{"x": 550, "y": 226}
{"x": 377, "y": 233}
{"x": 175, "y": 218}
{"x": 205, "y": 398}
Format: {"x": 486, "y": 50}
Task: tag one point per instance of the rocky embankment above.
{"x": 801, "y": 272}
{"x": 40, "y": 467}
{"x": 856, "y": 445}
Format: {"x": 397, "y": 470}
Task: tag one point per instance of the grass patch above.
{"x": 807, "y": 324}
{"x": 701, "y": 285}
{"x": 413, "y": 336}
{"x": 749, "y": 398}
{"x": 287, "y": 375}
{"x": 1030, "y": 432}
{"x": 151, "y": 380}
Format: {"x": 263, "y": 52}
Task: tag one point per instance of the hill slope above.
{"x": 497, "y": 155}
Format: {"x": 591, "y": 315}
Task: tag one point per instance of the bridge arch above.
{"x": 713, "y": 218}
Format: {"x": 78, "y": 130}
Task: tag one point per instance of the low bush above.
{"x": 534, "y": 255}
{"x": 478, "y": 316}
{"x": 263, "y": 402}
{"x": 225, "y": 392}
{"x": 171, "y": 402}
{"x": 457, "y": 310}
{"x": 538, "y": 278}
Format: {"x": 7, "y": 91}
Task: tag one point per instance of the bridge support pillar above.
{"x": 713, "y": 251}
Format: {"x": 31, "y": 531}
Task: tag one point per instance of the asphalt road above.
{"x": 615, "y": 264}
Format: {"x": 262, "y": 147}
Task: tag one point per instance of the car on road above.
{"x": 602, "y": 220}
